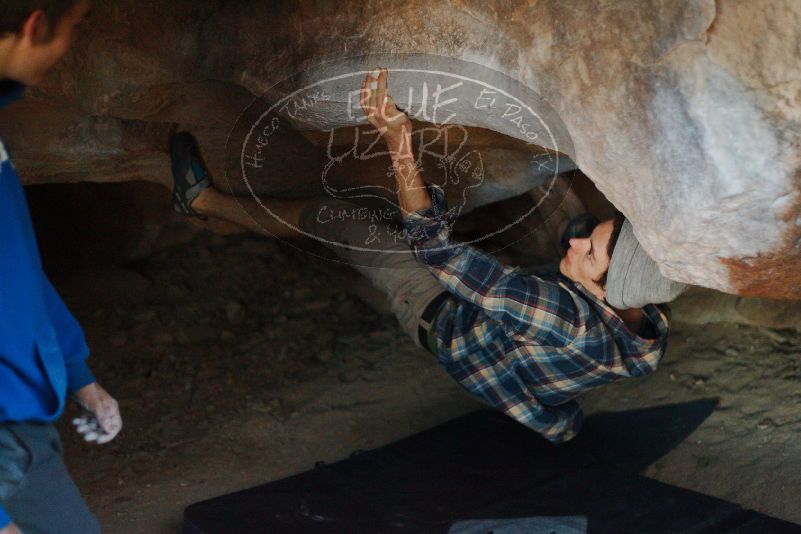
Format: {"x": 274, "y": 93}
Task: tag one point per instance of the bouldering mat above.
{"x": 485, "y": 473}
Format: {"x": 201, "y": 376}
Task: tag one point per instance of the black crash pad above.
{"x": 486, "y": 466}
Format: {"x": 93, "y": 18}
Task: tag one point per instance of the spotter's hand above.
{"x": 381, "y": 111}
{"x": 101, "y": 421}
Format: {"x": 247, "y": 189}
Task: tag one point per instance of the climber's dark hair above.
{"x": 14, "y": 13}
{"x": 617, "y": 223}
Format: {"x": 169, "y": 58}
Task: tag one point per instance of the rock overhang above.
{"x": 685, "y": 115}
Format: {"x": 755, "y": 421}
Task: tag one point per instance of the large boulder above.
{"x": 685, "y": 114}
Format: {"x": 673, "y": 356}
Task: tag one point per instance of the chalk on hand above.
{"x": 375, "y": 73}
{"x": 104, "y": 438}
{"x": 373, "y": 85}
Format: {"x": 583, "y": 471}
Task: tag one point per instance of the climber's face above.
{"x": 40, "y": 43}
{"x": 587, "y": 259}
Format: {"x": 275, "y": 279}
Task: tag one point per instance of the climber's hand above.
{"x": 381, "y": 111}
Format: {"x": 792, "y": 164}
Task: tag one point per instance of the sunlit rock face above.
{"x": 685, "y": 114}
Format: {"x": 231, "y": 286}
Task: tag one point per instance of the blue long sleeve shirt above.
{"x": 42, "y": 347}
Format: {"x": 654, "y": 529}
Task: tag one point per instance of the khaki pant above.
{"x": 369, "y": 241}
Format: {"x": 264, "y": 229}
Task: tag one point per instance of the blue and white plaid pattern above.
{"x": 527, "y": 345}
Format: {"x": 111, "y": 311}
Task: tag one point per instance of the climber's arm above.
{"x": 396, "y": 130}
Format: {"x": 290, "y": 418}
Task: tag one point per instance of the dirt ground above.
{"x": 238, "y": 360}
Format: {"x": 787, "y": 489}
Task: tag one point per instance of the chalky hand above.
{"x": 101, "y": 420}
{"x": 88, "y": 426}
{"x": 380, "y": 108}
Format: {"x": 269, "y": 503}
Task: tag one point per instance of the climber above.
{"x": 525, "y": 344}
{"x": 42, "y": 347}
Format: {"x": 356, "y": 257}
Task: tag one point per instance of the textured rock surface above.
{"x": 685, "y": 114}
{"x": 707, "y": 306}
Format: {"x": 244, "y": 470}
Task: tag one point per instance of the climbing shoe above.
{"x": 188, "y": 174}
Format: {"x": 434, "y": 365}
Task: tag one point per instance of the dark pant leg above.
{"x": 39, "y": 494}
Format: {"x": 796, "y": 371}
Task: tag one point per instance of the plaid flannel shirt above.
{"x": 527, "y": 344}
